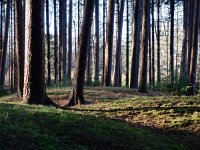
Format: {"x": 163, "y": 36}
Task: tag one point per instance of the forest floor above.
{"x": 113, "y": 118}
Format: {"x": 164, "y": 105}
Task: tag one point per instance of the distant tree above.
{"x": 153, "y": 46}
{"x": 79, "y": 73}
{"x": 144, "y": 49}
{"x": 158, "y": 43}
{"x": 5, "y": 44}
{"x": 20, "y": 40}
{"x": 109, "y": 43}
{"x": 136, "y": 44}
{"x": 34, "y": 71}
{"x": 127, "y": 43}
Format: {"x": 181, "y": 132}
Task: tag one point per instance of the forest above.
{"x": 100, "y": 74}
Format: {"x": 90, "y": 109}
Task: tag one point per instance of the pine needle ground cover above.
{"x": 112, "y": 119}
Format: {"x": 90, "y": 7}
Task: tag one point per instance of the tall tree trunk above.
{"x": 153, "y": 47}
{"x": 79, "y": 73}
{"x": 136, "y": 44}
{"x": 183, "y": 69}
{"x": 104, "y": 29}
{"x": 1, "y": 33}
{"x": 64, "y": 37}
{"x": 172, "y": 41}
{"x": 127, "y": 43}
{"x": 34, "y": 72}
{"x": 2, "y": 77}
{"x": 48, "y": 45}
{"x": 117, "y": 77}
{"x": 144, "y": 49}
{"x": 194, "y": 53}
{"x": 96, "y": 59}
{"x": 55, "y": 45}
{"x": 70, "y": 41}
{"x": 158, "y": 43}
{"x": 19, "y": 34}
{"x": 109, "y": 43}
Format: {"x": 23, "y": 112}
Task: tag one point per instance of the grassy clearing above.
{"x": 113, "y": 119}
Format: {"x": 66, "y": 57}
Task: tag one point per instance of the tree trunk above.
{"x": 136, "y": 44}
{"x": 153, "y": 48}
{"x": 70, "y": 42}
{"x": 194, "y": 53}
{"x": 34, "y": 72}
{"x": 48, "y": 45}
{"x": 158, "y": 44}
{"x": 144, "y": 49}
{"x": 127, "y": 43}
{"x": 2, "y": 77}
{"x": 96, "y": 59}
{"x": 55, "y": 46}
{"x": 109, "y": 43}
{"x": 79, "y": 73}
{"x": 19, "y": 31}
{"x": 117, "y": 77}
{"x": 172, "y": 41}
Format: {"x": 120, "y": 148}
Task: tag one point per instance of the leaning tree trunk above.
{"x": 19, "y": 34}
{"x": 2, "y": 77}
{"x": 34, "y": 70}
{"x": 109, "y": 43}
{"x": 144, "y": 49}
{"x": 79, "y": 73}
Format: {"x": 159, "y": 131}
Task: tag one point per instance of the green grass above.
{"x": 114, "y": 119}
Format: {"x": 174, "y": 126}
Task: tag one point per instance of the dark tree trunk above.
{"x": 70, "y": 42}
{"x": 96, "y": 59}
{"x": 136, "y": 44}
{"x": 158, "y": 44}
{"x": 194, "y": 53}
{"x": 144, "y": 49}
{"x": 2, "y": 77}
{"x": 79, "y": 73}
{"x": 172, "y": 41}
{"x": 117, "y": 77}
{"x": 34, "y": 72}
{"x": 183, "y": 69}
{"x": 109, "y": 43}
{"x": 48, "y": 45}
{"x": 55, "y": 46}
{"x": 153, "y": 48}
{"x": 127, "y": 43}
{"x": 19, "y": 34}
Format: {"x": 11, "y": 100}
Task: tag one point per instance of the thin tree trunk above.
{"x": 153, "y": 48}
{"x": 2, "y": 78}
{"x": 158, "y": 44}
{"x": 70, "y": 41}
{"x": 48, "y": 45}
{"x": 55, "y": 46}
{"x": 127, "y": 43}
{"x": 96, "y": 59}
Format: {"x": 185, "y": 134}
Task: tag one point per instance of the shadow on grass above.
{"x": 49, "y": 128}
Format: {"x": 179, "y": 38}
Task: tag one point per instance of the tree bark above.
{"x": 109, "y": 43}
{"x": 34, "y": 73}
{"x": 136, "y": 44}
{"x": 79, "y": 73}
{"x": 20, "y": 39}
{"x": 158, "y": 44}
{"x": 144, "y": 49}
{"x": 55, "y": 46}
